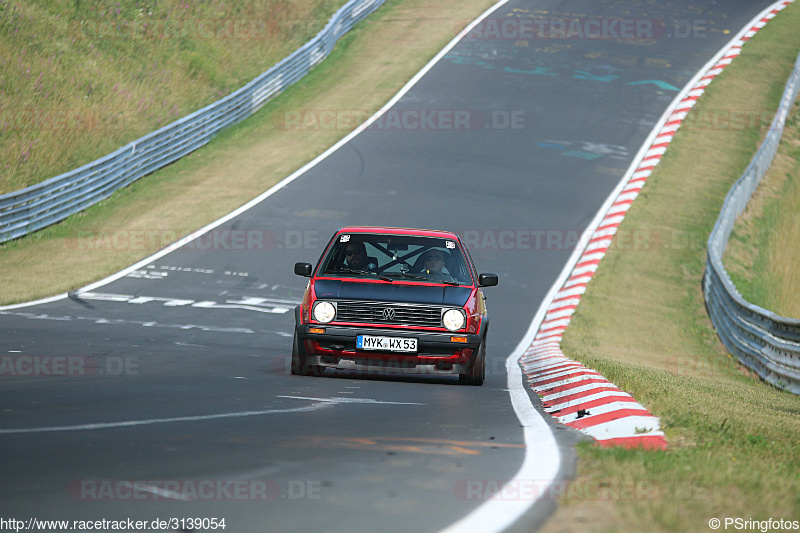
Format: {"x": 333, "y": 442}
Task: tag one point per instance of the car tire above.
{"x": 300, "y": 364}
{"x": 476, "y": 372}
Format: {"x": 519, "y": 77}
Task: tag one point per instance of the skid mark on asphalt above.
{"x": 399, "y": 445}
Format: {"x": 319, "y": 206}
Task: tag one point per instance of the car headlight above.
{"x": 453, "y": 319}
{"x": 324, "y": 312}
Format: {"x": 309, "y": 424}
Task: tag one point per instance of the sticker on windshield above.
{"x": 344, "y": 238}
{"x": 450, "y": 245}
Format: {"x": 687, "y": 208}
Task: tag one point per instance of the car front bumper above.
{"x": 336, "y": 347}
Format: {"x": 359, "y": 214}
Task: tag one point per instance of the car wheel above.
{"x": 476, "y": 372}
{"x": 300, "y": 364}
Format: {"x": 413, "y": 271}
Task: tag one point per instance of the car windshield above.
{"x": 397, "y": 257}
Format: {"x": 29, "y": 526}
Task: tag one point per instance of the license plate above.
{"x": 386, "y": 344}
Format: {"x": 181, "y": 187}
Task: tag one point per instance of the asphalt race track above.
{"x": 182, "y": 368}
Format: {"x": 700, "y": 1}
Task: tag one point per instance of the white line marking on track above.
{"x": 542, "y": 458}
{"x": 248, "y": 303}
{"x": 119, "y": 321}
{"x": 350, "y": 400}
{"x": 147, "y": 422}
{"x": 163, "y": 493}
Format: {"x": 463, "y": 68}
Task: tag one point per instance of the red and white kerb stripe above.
{"x": 577, "y": 396}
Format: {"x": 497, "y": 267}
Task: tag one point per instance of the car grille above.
{"x": 389, "y": 313}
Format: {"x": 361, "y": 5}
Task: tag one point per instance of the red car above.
{"x": 393, "y": 300}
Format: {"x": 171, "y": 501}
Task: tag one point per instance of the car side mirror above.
{"x": 487, "y": 280}
{"x": 303, "y": 269}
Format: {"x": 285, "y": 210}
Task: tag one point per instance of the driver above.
{"x": 432, "y": 263}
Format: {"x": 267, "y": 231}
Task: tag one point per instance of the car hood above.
{"x": 392, "y": 292}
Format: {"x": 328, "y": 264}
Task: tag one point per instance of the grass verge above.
{"x": 368, "y": 66}
{"x": 763, "y": 254}
{"x": 643, "y": 325}
{"x": 81, "y": 79}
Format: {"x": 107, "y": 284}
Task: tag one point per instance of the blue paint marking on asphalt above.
{"x": 659, "y": 83}
{"x": 548, "y": 71}
{"x": 544, "y": 71}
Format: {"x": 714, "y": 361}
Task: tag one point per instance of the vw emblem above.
{"x": 388, "y": 314}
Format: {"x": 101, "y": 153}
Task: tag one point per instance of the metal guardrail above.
{"x": 40, "y": 205}
{"x": 762, "y": 340}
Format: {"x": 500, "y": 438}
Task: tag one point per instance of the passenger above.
{"x": 356, "y": 257}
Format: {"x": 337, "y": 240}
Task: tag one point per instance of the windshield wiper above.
{"x": 423, "y": 278}
{"x": 346, "y": 270}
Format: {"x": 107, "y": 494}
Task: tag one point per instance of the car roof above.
{"x": 399, "y": 231}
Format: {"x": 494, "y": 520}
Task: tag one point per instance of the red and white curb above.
{"x": 575, "y": 395}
